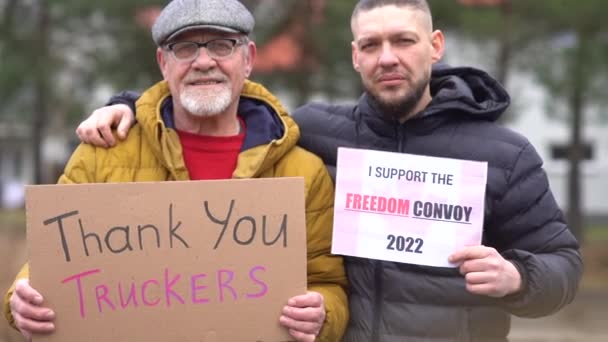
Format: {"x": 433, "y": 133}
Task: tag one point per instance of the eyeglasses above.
{"x": 216, "y": 48}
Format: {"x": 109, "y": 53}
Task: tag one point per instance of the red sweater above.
{"x": 209, "y": 157}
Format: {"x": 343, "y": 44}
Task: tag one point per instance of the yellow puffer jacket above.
{"x": 152, "y": 152}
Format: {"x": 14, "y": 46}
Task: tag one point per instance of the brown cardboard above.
{"x": 264, "y": 274}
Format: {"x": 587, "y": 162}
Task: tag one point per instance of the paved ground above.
{"x": 586, "y": 319}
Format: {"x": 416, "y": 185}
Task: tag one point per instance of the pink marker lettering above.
{"x": 224, "y": 284}
{"x": 196, "y": 288}
{"x": 79, "y": 287}
{"x": 101, "y": 292}
{"x": 143, "y": 293}
{"x": 264, "y": 287}
{"x": 131, "y": 297}
{"x": 169, "y": 291}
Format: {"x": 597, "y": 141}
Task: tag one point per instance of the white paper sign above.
{"x": 407, "y": 208}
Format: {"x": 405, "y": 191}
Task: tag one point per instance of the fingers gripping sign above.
{"x": 304, "y": 316}
{"x": 486, "y": 272}
{"x": 97, "y": 129}
{"x": 27, "y": 310}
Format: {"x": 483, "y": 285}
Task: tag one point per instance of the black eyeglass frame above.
{"x": 233, "y": 41}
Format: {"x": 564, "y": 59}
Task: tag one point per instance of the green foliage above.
{"x": 99, "y": 43}
{"x": 571, "y": 49}
{"x": 479, "y": 23}
{"x": 272, "y": 17}
{"x": 597, "y": 233}
{"x": 89, "y": 44}
{"x": 327, "y": 43}
{"x": 332, "y": 40}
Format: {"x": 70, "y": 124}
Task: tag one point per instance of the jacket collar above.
{"x": 270, "y": 131}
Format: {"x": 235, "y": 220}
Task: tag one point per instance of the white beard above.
{"x": 205, "y": 105}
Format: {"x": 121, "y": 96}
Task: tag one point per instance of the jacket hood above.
{"x": 468, "y": 91}
{"x": 271, "y": 132}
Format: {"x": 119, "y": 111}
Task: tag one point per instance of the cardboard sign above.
{"x": 407, "y": 208}
{"x": 168, "y": 261}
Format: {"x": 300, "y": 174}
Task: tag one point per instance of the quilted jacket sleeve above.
{"x": 23, "y": 273}
{"x": 325, "y": 271}
{"x": 529, "y": 230}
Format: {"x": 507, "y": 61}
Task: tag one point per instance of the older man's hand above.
{"x": 304, "y": 316}
{"x": 27, "y": 310}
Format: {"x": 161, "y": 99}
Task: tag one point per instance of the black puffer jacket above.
{"x": 399, "y": 302}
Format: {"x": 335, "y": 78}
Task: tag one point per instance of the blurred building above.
{"x": 15, "y": 163}
{"x": 16, "y": 159}
{"x": 548, "y": 131}
{"x": 551, "y": 135}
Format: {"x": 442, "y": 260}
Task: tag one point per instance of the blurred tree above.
{"x": 568, "y": 55}
{"x": 502, "y": 9}
{"x": 319, "y": 52}
{"x": 563, "y": 43}
{"x": 56, "y": 54}
{"x": 333, "y": 38}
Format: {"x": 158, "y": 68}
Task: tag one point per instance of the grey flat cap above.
{"x": 183, "y": 15}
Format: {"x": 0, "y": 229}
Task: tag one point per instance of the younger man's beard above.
{"x": 402, "y": 107}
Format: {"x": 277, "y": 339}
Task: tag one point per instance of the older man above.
{"x": 206, "y": 121}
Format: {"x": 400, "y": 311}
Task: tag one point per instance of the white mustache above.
{"x": 195, "y": 76}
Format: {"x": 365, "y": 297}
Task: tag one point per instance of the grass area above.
{"x": 12, "y": 222}
{"x": 12, "y": 216}
{"x": 596, "y": 233}
{"x": 595, "y": 256}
